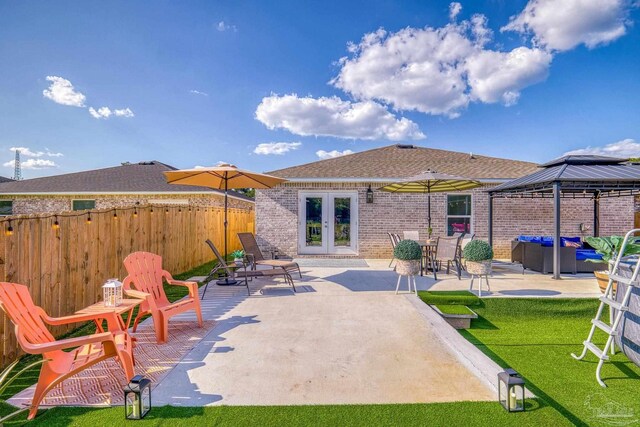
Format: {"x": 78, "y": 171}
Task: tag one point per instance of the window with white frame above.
{"x": 459, "y": 214}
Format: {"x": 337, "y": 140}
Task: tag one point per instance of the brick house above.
{"x": 323, "y": 211}
{"x": 120, "y": 186}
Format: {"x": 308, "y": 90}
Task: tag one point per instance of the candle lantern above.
{"x": 511, "y": 390}
{"x": 112, "y": 293}
{"x": 137, "y": 398}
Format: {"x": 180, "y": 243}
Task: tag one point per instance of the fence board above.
{"x": 65, "y": 267}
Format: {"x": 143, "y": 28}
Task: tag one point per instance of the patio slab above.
{"x": 345, "y": 337}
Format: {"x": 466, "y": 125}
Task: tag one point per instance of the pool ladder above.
{"x": 611, "y": 329}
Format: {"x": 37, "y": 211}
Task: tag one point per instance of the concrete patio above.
{"x": 345, "y": 337}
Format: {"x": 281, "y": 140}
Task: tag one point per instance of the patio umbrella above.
{"x": 431, "y": 182}
{"x": 222, "y": 177}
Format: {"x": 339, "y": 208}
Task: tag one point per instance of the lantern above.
{"x": 137, "y": 398}
{"x": 511, "y": 390}
{"x": 369, "y": 195}
{"x": 112, "y": 293}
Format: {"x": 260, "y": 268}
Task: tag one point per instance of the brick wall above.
{"x": 57, "y": 204}
{"x": 277, "y": 217}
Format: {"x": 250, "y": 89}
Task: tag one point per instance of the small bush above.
{"x": 237, "y": 254}
{"x": 407, "y": 250}
{"x": 477, "y": 250}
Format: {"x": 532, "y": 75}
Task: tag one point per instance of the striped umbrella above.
{"x": 431, "y": 182}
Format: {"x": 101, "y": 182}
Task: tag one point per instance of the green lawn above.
{"x": 536, "y": 338}
{"x": 457, "y": 310}
{"x": 533, "y": 336}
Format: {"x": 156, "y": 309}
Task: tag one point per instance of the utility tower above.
{"x": 17, "y": 172}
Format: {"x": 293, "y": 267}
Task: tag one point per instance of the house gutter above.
{"x": 380, "y": 180}
{"x": 121, "y": 193}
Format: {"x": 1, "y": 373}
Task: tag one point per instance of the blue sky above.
{"x": 85, "y": 85}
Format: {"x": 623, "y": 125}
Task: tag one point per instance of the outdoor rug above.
{"x": 332, "y": 262}
{"x": 103, "y": 383}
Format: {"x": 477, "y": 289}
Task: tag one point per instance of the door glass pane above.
{"x": 342, "y": 221}
{"x": 458, "y": 225}
{"x": 459, "y": 204}
{"x": 313, "y": 221}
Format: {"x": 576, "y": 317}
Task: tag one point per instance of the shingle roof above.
{"x": 127, "y": 178}
{"x": 399, "y": 161}
{"x": 5, "y": 179}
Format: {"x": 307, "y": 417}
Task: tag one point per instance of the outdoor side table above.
{"x": 429, "y": 250}
{"x": 127, "y": 306}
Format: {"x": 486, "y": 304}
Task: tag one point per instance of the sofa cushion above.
{"x": 585, "y": 254}
{"x": 530, "y": 239}
{"x": 574, "y": 242}
{"x": 547, "y": 241}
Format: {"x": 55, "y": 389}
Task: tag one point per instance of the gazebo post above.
{"x": 596, "y": 215}
{"x": 556, "y": 231}
{"x": 491, "y": 219}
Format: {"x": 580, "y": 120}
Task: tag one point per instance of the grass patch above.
{"x": 457, "y": 310}
{"x": 449, "y": 298}
{"x": 469, "y": 414}
{"x": 536, "y": 338}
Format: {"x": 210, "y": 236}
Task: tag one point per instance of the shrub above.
{"x": 477, "y": 250}
{"x": 609, "y": 247}
{"x": 407, "y": 250}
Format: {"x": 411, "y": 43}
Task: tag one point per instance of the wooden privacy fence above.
{"x": 65, "y": 259}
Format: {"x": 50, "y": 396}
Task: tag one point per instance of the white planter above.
{"x": 239, "y": 262}
{"x": 480, "y": 268}
{"x": 408, "y": 268}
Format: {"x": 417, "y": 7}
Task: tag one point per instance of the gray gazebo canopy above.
{"x": 572, "y": 176}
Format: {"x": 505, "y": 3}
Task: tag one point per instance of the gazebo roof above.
{"x": 578, "y": 176}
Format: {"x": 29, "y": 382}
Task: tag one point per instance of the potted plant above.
{"x": 407, "y": 254}
{"x": 477, "y": 255}
{"x": 238, "y": 257}
{"x": 608, "y": 248}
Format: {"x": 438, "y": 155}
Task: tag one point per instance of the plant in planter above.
{"x": 608, "y": 248}
{"x": 407, "y": 254}
{"x": 477, "y": 255}
{"x": 238, "y": 257}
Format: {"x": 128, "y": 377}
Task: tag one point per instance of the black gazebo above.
{"x": 572, "y": 176}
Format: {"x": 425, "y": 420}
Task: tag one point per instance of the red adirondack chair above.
{"x": 34, "y": 338}
{"x": 146, "y": 275}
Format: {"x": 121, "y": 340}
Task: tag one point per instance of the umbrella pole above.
{"x": 227, "y": 280}
{"x": 429, "y": 212}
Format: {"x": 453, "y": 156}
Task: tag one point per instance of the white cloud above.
{"x": 100, "y": 113}
{"x": 322, "y": 154}
{"x": 499, "y": 76}
{"x": 223, "y": 26}
{"x": 279, "y": 148}
{"x": 438, "y": 70}
{"x": 125, "y": 112}
{"x": 334, "y": 117}
{"x": 220, "y": 163}
{"x": 27, "y": 152}
{"x": 454, "y": 10}
{"x": 562, "y": 25}
{"x": 61, "y": 91}
{"x": 627, "y": 148}
{"x": 197, "y": 92}
{"x": 33, "y": 164}
{"x": 106, "y": 112}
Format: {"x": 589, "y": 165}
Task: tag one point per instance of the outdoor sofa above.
{"x": 536, "y": 253}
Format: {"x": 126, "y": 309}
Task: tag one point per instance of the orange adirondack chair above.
{"x": 34, "y": 338}
{"x": 146, "y": 275}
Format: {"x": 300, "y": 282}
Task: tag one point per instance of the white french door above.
{"x": 328, "y": 222}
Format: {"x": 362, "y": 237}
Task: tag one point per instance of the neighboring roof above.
{"x": 578, "y": 174}
{"x": 143, "y": 177}
{"x": 5, "y": 179}
{"x": 401, "y": 161}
